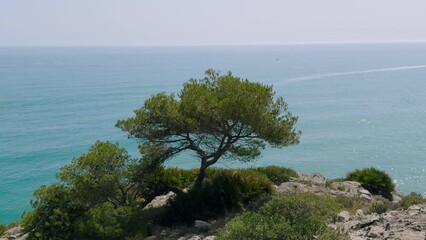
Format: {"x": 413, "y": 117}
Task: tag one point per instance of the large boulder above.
{"x": 160, "y": 201}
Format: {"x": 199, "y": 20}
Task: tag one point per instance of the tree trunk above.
{"x": 201, "y": 174}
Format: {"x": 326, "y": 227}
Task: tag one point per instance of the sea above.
{"x": 359, "y": 105}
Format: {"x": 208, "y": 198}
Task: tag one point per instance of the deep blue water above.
{"x": 358, "y": 106}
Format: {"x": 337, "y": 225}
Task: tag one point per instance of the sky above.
{"x": 205, "y": 22}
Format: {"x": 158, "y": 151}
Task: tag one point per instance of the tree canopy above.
{"x": 219, "y": 116}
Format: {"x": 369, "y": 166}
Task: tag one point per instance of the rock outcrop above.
{"x": 407, "y": 224}
{"x": 14, "y": 233}
{"x": 161, "y": 200}
{"x": 316, "y": 183}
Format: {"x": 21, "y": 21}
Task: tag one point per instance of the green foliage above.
{"x": 412, "y": 199}
{"x": 100, "y": 175}
{"x": 294, "y": 216}
{"x": 105, "y": 221}
{"x": 381, "y": 205}
{"x": 352, "y": 204}
{"x": 220, "y": 116}
{"x": 378, "y": 207}
{"x": 95, "y": 196}
{"x": 3, "y": 229}
{"x": 376, "y": 181}
{"x": 331, "y": 234}
{"x": 277, "y": 174}
{"x": 226, "y": 191}
{"x": 180, "y": 178}
{"x": 53, "y": 214}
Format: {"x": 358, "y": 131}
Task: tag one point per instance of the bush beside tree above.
{"x": 292, "y": 217}
{"x": 226, "y": 191}
{"x": 94, "y": 197}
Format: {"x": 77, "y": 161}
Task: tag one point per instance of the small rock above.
{"x": 202, "y": 226}
{"x": 151, "y": 238}
{"x": 414, "y": 210}
{"x": 349, "y": 187}
{"x": 174, "y": 234}
{"x": 318, "y": 179}
{"x": 210, "y": 238}
{"x": 315, "y": 178}
{"x": 290, "y": 187}
{"x": 23, "y": 237}
{"x": 365, "y": 191}
{"x": 164, "y": 233}
{"x": 343, "y": 216}
{"x": 359, "y": 213}
{"x": 410, "y": 235}
{"x": 190, "y": 237}
{"x": 365, "y": 196}
{"x": 196, "y": 237}
{"x": 376, "y": 231}
{"x": 397, "y": 196}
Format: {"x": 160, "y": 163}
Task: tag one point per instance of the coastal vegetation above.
{"x": 293, "y": 217}
{"x": 107, "y": 194}
{"x": 374, "y": 180}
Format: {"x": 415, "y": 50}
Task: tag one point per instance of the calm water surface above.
{"x": 358, "y": 106}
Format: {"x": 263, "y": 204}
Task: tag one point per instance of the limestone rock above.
{"x": 315, "y": 178}
{"x": 151, "y": 238}
{"x": 343, "y": 216}
{"x": 191, "y": 237}
{"x": 289, "y": 187}
{"x": 14, "y": 233}
{"x": 202, "y": 226}
{"x": 376, "y": 231}
{"x": 160, "y": 201}
{"x": 397, "y": 196}
{"x": 407, "y": 224}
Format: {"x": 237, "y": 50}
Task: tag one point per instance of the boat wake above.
{"x": 336, "y": 74}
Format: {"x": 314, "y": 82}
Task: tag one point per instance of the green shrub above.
{"x": 351, "y": 204}
{"x": 412, "y": 199}
{"x": 379, "y": 207}
{"x": 3, "y": 229}
{"x": 105, "y": 221}
{"x": 331, "y": 234}
{"x": 277, "y": 174}
{"x": 224, "y": 192}
{"x": 292, "y": 217}
{"x": 53, "y": 214}
{"x": 374, "y": 180}
{"x": 96, "y": 196}
{"x": 181, "y": 178}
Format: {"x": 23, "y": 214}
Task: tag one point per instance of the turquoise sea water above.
{"x": 358, "y": 106}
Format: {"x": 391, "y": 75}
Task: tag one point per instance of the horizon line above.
{"x": 221, "y": 45}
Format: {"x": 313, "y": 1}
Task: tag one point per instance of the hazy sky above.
{"x": 218, "y": 22}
